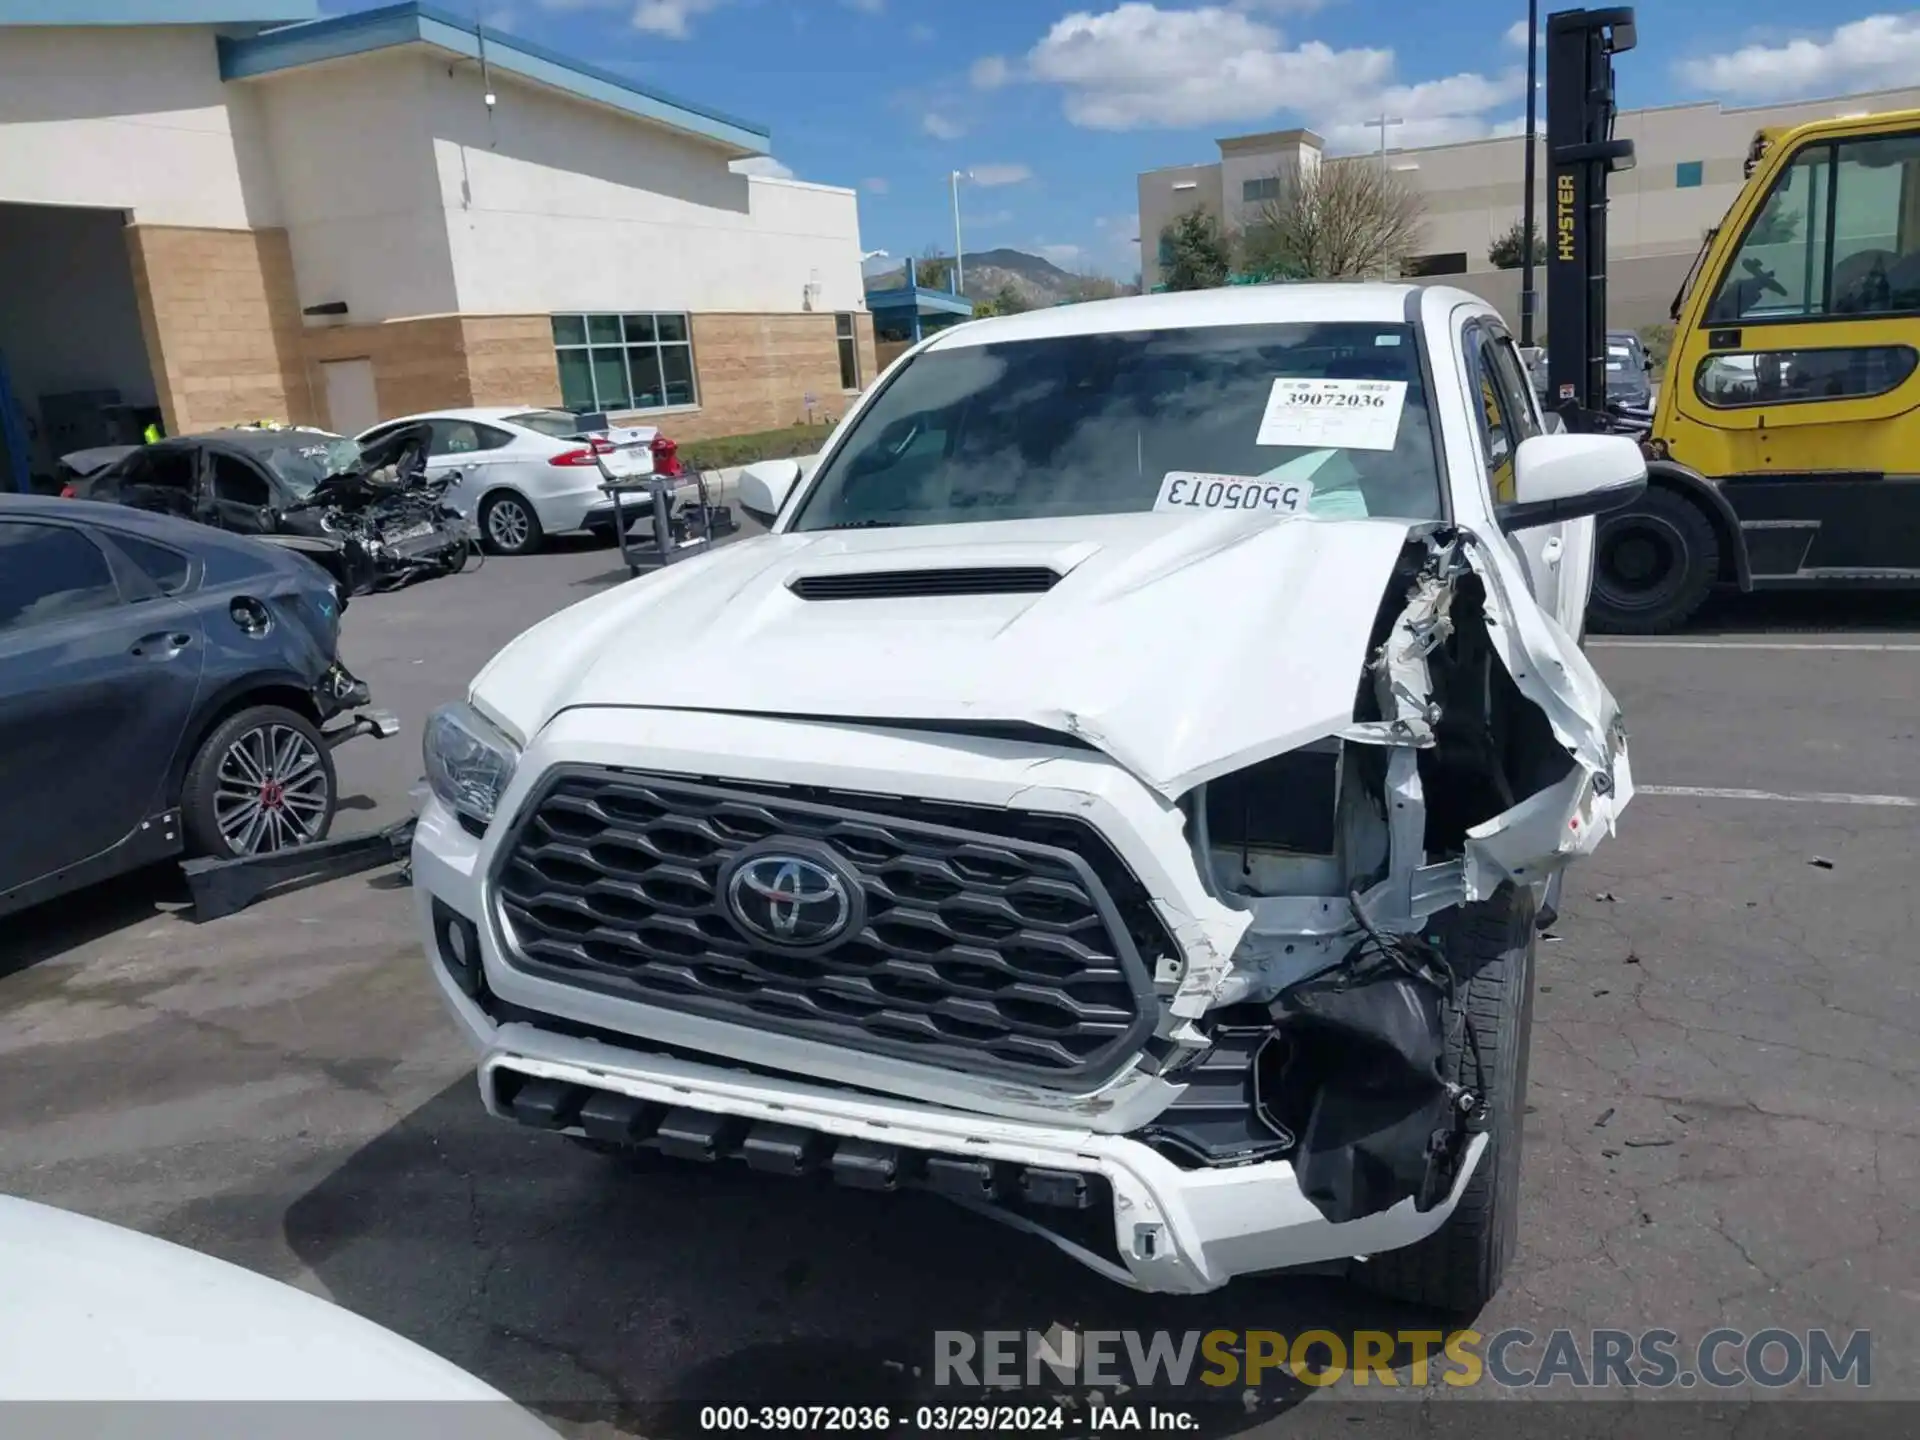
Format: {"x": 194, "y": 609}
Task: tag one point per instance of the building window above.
{"x": 1688, "y": 174}
{"x": 1452, "y": 262}
{"x": 849, "y": 352}
{"x": 624, "y": 362}
{"x": 1267, "y": 187}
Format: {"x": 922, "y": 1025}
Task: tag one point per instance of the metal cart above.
{"x": 652, "y": 531}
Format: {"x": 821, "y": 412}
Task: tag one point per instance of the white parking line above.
{"x": 1745, "y": 645}
{"x": 1807, "y": 797}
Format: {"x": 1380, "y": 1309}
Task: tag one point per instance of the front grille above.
{"x": 976, "y": 951}
{"x": 906, "y": 584}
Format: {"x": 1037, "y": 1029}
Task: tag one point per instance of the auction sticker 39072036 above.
{"x": 1333, "y": 414}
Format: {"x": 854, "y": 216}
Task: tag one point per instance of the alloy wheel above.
{"x": 508, "y": 524}
{"x": 270, "y": 791}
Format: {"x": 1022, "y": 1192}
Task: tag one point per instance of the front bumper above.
{"x": 1173, "y": 1230}
{"x": 1169, "y": 1228}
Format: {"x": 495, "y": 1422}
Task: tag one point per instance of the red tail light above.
{"x": 583, "y": 456}
{"x": 666, "y": 456}
{"x": 67, "y": 492}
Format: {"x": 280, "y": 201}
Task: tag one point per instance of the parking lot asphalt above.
{"x": 1724, "y": 1124}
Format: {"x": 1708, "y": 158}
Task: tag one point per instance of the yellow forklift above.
{"x": 1785, "y": 443}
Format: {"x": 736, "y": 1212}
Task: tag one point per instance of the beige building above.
{"x": 1689, "y": 164}
{"x": 223, "y": 211}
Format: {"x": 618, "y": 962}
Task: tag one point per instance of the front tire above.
{"x": 1654, "y": 565}
{"x": 1458, "y": 1269}
{"x": 508, "y": 525}
{"x": 262, "y": 781}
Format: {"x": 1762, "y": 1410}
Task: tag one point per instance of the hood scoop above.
{"x": 907, "y": 584}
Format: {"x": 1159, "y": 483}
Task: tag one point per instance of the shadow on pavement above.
{"x": 597, "y": 1290}
{"x": 79, "y": 918}
{"x": 1732, "y": 614}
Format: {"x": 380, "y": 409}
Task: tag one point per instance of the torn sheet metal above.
{"x": 1291, "y": 938}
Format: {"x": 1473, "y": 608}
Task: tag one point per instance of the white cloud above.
{"x": 991, "y": 175}
{"x": 1065, "y": 256}
{"x": 1516, "y": 35}
{"x": 940, "y": 127}
{"x": 875, "y": 185}
{"x": 1881, "y": 50}
{"x": 761, "y": 165}
{"x": 1137, "y": 66}
{"x": 671, "y": 17}
{"x": 990, "y": 72}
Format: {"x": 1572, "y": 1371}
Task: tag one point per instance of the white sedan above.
{"x": 527, "y": 473}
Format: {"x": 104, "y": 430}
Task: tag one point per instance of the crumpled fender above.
{"x": 1528, "y": 842}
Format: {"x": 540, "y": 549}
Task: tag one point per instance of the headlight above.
{"x": 470, "y": 762}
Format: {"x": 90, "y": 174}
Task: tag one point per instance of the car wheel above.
{"x": 1653, "y": 565}
{"x": 262, "y": 781}
{"x": 508, "y": 525}
{"x": 1457, "y": 1269}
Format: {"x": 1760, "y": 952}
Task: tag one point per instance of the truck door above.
{"x": 1506, "y": 413}
{"x": 1800, "y": 387}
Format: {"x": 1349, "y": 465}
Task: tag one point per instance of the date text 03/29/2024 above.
{"x": 939, "y": 1419}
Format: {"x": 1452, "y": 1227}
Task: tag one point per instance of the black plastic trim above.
{"x": 955, "y": 1055}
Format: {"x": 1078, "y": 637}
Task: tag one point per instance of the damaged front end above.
{"x": 1366, "y": 878}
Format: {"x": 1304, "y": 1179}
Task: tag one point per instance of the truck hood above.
{"x": 1185, "y": 648}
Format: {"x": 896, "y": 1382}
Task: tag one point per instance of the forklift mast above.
{"x": 1581, "y": 154}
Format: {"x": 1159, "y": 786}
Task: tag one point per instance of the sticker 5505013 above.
{"x": 1197, "y": 490}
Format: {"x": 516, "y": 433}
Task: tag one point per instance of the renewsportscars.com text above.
{"x": 1516, "y": 1358}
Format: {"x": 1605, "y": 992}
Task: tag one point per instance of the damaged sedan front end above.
{"x": 1163, "y": 884}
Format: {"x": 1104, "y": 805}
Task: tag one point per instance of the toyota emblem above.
{"x": 790, "y": 900}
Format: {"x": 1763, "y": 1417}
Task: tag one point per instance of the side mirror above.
{"x": 1562, "y": 477}
{"x": 765, "y": 485}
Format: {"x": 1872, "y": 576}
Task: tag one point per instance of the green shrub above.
{"x": 727, "y": 450}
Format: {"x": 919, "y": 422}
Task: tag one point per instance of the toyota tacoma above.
{"x": 1120, "y": 793}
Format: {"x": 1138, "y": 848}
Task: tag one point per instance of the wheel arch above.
{"x": 272, "y": 688}
{"x": 1691, "y": 485}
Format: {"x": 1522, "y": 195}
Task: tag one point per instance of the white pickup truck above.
{"x": 1119, "y": 793}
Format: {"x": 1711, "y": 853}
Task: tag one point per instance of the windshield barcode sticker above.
{"x": 1333, "y": 414}
{"x": 1195, "y": 490}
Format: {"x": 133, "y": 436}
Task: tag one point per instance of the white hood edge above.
{"x": 1182, "y": 648}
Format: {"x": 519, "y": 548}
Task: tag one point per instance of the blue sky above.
{"x": 1056, "y": 106}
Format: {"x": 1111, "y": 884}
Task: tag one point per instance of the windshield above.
{"x": 1329, "y": 419}
{"x": 560, "y": 424}
{"x": 301, "y": 467}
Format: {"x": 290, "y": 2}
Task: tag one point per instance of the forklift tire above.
{"x": 1653, "y": 565}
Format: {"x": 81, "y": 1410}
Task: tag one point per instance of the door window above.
{"x": 465, "y": 437}
{"x": 166, "y": 567}
{"x": 1731, "y": 381}
{"x": 1839, "y": 234}
{"x": 238, "y": 483}
{"x": 1502, "y": 408}
{"x": 49, "y": 573}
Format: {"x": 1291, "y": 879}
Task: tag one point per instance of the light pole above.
{"x": 1383, "y": 121}
{"x": 959, "y": 274}
{"x": 1528, "y": 299}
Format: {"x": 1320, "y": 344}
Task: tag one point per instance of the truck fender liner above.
{"x": 1704, "y": 493}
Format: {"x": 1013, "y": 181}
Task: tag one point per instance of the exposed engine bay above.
{"x": 1353, "y": 858}
{"x": 389, "y": 518}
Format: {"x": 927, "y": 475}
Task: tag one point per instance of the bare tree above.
{"x": 1339, "y": 220}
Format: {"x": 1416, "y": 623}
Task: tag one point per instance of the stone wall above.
{"x": 222, "y": 325}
